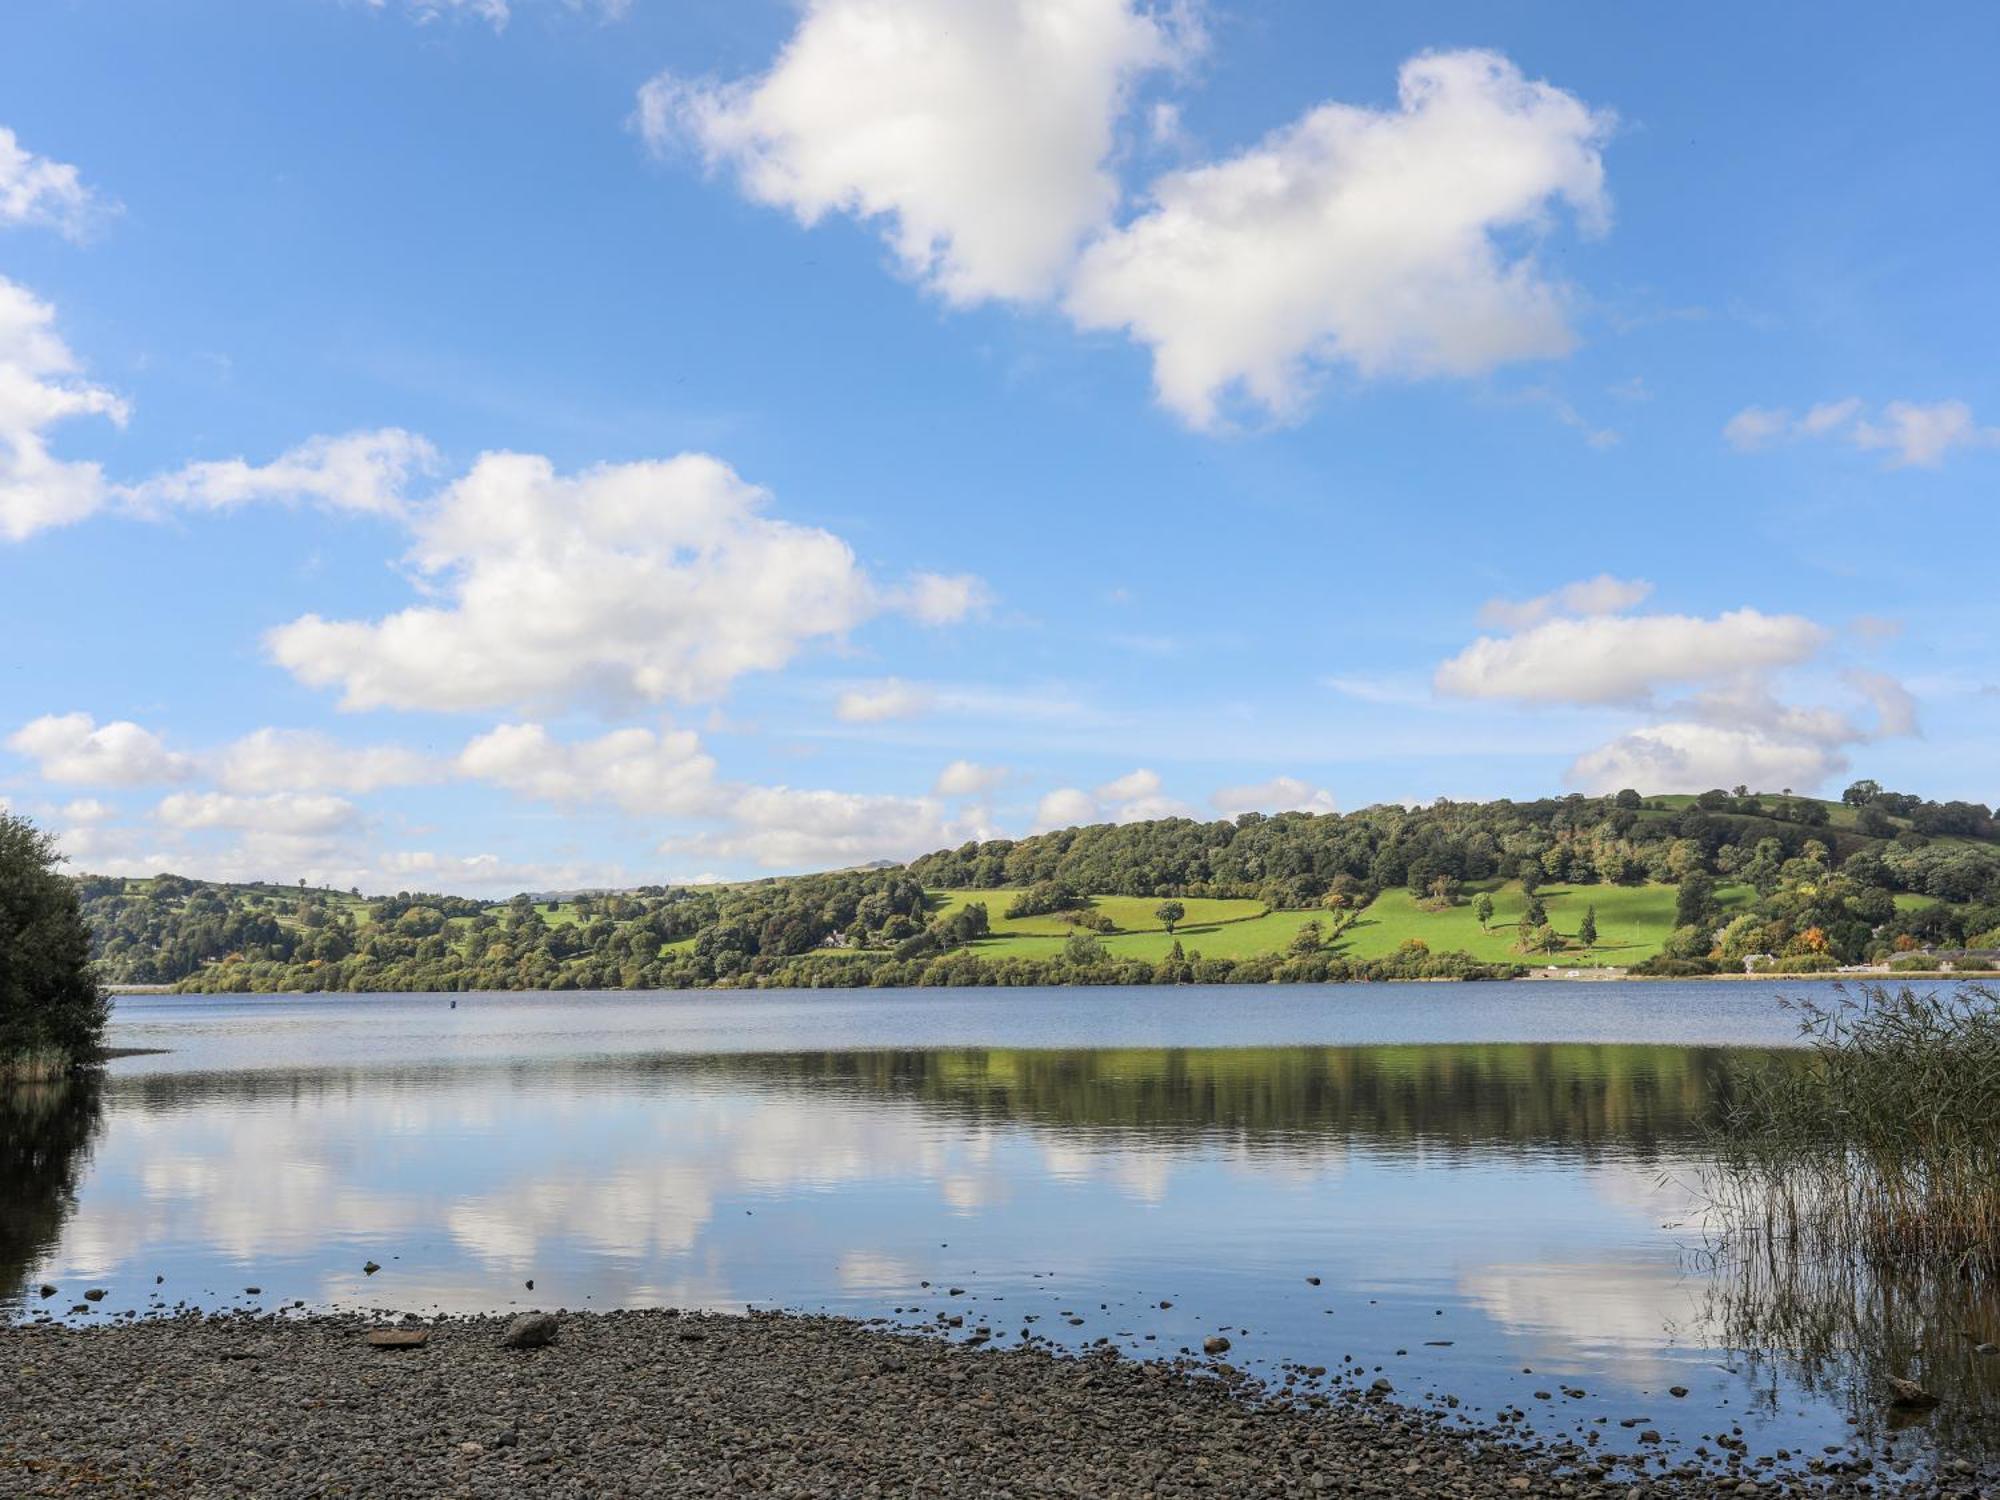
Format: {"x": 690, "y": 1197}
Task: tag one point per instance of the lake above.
{"x": 1481, "y": 1191}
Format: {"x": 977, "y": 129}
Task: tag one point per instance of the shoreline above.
{"x": 660, "y": 1402}
{"x": 1576, "y": 976}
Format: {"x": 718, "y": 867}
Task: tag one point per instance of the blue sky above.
{"x": 478, "y": 446}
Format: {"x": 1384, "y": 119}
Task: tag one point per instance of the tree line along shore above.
{"x": 1726, "y": 882}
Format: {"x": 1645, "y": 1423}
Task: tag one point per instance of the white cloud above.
{"x": 1920, "y": 435}
{"x": 1755, "y": 427}
{"x": 1065, "y": 807}
{"x": 1895, "y": 708}
{"x": 1624, "y": 658}
{"x": 1131, "y": 786}
{"x": 1602, "y": 595}
{"x": 638, "y": 770}
{"x": 783, "y": 828}
{"x": 88, "y": 810}
{"x": 1279, "y": 794}
{"x": 1829, "y": 416}
{"x": 1731, "y": 727}
{"x": 35, "y": 190}
{"x": 277, "y": 760}
{"x": 891, "y": 698}
{"x": 496, "y": 13}
{"x": 977, "y": 131}
{"x": 96, "y": 849}
{"x": 1692, "y": 757}
{"x": 1146, "y": 809}
{"x": 75, "y": 749}
{"x": 1392, "y": 241}
{"x": 1134, "y": 797}
{"x": 962, "y": 778}
{"x": 360, "y": 471}
{"x": 668, "y": 774}
{"x": 490, "y": 874}
{"x": 1402, "y": 691}
{"x": 1915, "y": 434}
{"x": 284, "y": 814}
{"x": 624, "y": 583}
{"x": 941, "y": 599}
{"x": 1370, "y": 238}
{"x": 38, "y": 388}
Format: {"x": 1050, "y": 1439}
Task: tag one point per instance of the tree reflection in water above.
{"x": 46, "y": 1128}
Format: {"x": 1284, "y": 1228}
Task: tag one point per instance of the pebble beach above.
{"x": 661, "y": 1403}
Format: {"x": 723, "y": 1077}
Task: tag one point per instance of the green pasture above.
{"x": 1133, "y": 914}
{"x": 1632, "y": 923}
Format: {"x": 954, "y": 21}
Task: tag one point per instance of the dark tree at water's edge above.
{"x": 52, "y": 1008}
{"x": 45, "y": 1131}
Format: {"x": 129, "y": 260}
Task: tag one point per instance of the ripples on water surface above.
{"x": 1482, "y": 1177}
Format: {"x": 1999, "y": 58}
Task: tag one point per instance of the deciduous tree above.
{"x": 52, "y": 1009}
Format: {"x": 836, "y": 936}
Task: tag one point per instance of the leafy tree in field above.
{"x": 1046, "y": 896}
{"x": 1482, "y": 908}
{"x": 1694, "y": 903}
{"x": 1586, "y": 932}
{"x": 1875, "y": 823}
{"x": 1536, "y": 914}
{"x": 1168, "y": 914}
{"x": 52, "y": 1009}
{"x": 1084, "y": 949}
{"x": 1310, "y": 938}
{"x": 1548, "y": 939}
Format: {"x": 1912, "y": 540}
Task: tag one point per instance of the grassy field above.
{"x": 1132, "y": 913}
{"x": 1632, "y": 922}
{"x": 1271, "y": 932}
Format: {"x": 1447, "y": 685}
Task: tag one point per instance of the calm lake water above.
{"x": 1493, "y": 1184}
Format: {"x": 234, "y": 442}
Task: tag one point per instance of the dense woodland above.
{"x": 1826, "y": 878}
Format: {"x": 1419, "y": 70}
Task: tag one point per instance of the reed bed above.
{"x": 35, "y": 1064}
{"x": 1883, "y": 1143}
{"x": 1844, "y": 1328}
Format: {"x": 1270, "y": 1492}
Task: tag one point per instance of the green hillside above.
{"x": 1632, "y": 923}
{"x": 1679, "y": 884}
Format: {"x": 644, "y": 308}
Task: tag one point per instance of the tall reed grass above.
{"x": 1884, "y": 1143}
{"x": 33, "y": 1064}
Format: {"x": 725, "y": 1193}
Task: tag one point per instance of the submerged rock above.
{"x": 1909, "y": 1395}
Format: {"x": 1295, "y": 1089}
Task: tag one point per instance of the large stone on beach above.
{"x": 530, "y": 1331}
{"x": 1215, "y": 1343}
{"x": 1909, "y": 1395}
